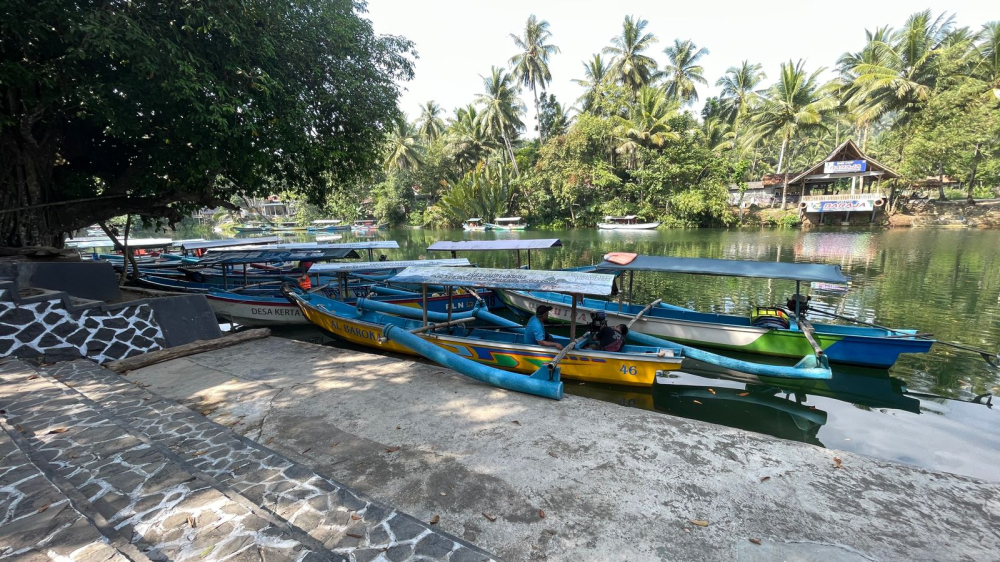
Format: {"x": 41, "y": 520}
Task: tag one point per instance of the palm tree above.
{"x": 595, "y": 71}
{"x": 648, "y": 124}
{"x": 740, "y": 91}
{"x": 429, "y": 124}
{"x": 630, "y": 66}
{"x": 531, "y": 65}
{"x": 683, "y": 71}
{"x": 405, "y": 152}
{"x": 896, "y": 72}
{"x": 987, "y": 66}
{"x": 793, "y": 106}
{"x": 466, "y": 139}
{"x": 502, "y": 109}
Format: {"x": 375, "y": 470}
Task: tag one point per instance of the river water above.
{"x": 928, "y": 410}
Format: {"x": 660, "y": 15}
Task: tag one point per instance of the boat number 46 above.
{"x": 628, "y": 370}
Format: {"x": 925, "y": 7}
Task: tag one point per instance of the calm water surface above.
{"x": 924, "y": 411}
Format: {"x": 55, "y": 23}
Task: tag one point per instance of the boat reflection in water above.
{"x": 779, "y": 407}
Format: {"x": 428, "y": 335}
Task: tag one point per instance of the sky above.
{"x": 457, "y": 41}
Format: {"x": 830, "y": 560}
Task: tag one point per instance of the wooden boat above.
{"x": 367, "y": 225}
{"x": 475, "y": 225}
{"x": 768, "y": 331}
{"x": 507, "y": 224}
{"x": 501, "y": 345}
{"x": 251, "y": 228}
{"x": 270, "y": 308}
{"x": 628, "y": 222}
{"x": 513, "y": 246}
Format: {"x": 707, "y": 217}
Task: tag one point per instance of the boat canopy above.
{"x": 509, "y": 219}
{"x": 625, "y": 218}
{"x": 731, "y": 268}
{"x": 105, "y": 242}
{"x": 489, "y": 245}
{"x": 516, "y": 279}
{"x": 276, "y": 256}
{"x": 475, "y": 219}
{"x": 297, "y": 246}
{"x": 228, "y": 242}
{"x": 383, "y": 265}
{"x": 327, "y": 221}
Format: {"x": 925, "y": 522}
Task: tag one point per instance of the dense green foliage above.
{"x": 159, "y": 108}
{"x": 923, "y": 98}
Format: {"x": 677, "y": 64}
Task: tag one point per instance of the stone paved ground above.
{"x": 130, "y": 475}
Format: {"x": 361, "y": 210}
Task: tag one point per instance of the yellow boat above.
{"x": 633, "y": 366}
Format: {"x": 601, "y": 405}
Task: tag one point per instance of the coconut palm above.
{"x": 404, "y": 150}
{"x": 630, "y": 66}
{"x": 502, "y": 109}
{"x": 740, "y": 91}
{"x": 429, "y": 124}
{"x": 987, "y": 66}
{"x": 466, "y": 139}
{"x": 531, "y": 64}
{"x": 683, "y": 71}
{"x": 648, "y": 124}
{"x": 794, "y": 106}
{"x": 864, "y": 105}
{"x": 595, "y": 71}
{"x": 897, "y": 75}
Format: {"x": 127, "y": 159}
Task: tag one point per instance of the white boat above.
{"x": 475, "y": 224}
{"x": 628, "y": 222}
{"x": 509, "y": 224}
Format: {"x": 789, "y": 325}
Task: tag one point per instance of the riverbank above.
{"x": 523, "y": 478}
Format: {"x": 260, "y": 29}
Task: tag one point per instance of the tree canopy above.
{"x": 159, "y": 108}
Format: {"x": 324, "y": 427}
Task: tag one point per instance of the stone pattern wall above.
{"x": 55, "y": 328}
{"x": 168, "y": 483}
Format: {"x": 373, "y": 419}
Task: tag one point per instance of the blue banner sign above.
{"x": 844, "y": 167}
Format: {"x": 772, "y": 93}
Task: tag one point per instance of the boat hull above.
{"x": 616, "y": 226}
{"x": 589, "y": 366}
{"x": 843, "y": 347}
{"x": 277, "y": 311}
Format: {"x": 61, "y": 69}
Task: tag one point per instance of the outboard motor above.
{"x": 803, "y": 302}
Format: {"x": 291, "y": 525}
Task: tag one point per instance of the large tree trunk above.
{"x": 27, "y": 158}
{"x": 972, "y": 176}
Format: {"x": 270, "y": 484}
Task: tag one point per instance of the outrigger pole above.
{"x": 992, "y": 359}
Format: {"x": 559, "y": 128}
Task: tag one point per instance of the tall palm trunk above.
{"x": 781, "y": 162}
{"x": 510, "y": 153}
{"x": 538, "y": 115}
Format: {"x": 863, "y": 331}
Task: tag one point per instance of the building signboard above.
{"x": 844, "y": 166}
{"x": 839, "y": 206}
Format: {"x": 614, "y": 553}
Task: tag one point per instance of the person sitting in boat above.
{"x": 612, "y": 338}
{"x": 606, "y": 338}
{"x": 534, "y": 330}
{"x": 304, "y": 282}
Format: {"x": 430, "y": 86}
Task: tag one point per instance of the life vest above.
{"x": 304, "y": 282}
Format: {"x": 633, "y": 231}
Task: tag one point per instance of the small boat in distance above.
{"x": 367, "y": 225}
{"x": 628, "y": 222}
{"x": 475, "y": 224}
{"x": 509, "y": 224}
{"x": 328, "y": 225}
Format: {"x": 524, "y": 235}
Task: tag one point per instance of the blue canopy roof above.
{"x": 731, "y": 268}
{"x": 227, "y": 242}
{"x": 276, "y": 256}
{"x": 518, "y": 279}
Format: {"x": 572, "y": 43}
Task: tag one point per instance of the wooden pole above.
{"x": 450, "y": 306}
{"x": 423, "y": 291}
{"x": 572, "y": 321}
{"x": 200, "y": 346}
{"x": 643, "y": 312}
{"x": 447, "y": 324}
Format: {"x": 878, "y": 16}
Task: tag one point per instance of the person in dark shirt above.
{"x": 612, "y": 338}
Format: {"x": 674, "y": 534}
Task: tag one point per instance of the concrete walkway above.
{"x": 579, "y": 479}
{"x": 95, "y": 468}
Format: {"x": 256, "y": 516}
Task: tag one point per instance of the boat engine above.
{"x": 803, "y": 303}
